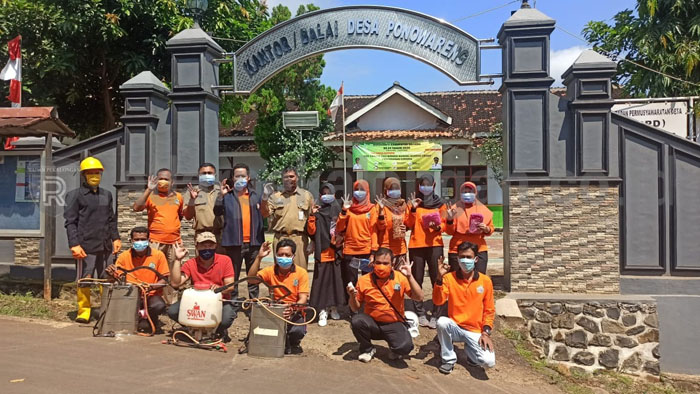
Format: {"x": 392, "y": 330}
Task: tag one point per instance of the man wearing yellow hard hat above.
{"x": 91, "y": 226}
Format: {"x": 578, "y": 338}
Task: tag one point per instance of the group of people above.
{"x": 348, "y": 238}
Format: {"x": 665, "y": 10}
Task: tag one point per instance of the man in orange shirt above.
{"x": 383, "y": 292}
{"x": 295, "y": 278}
{"x": 471, "y": 311}
{"x": 142, "y": 255}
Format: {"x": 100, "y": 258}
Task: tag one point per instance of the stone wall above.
{"x": 564, "y": 238}
{"x": 27, "y": 251}
{"x": 621, "y": 336}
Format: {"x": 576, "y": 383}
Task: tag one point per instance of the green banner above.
{"x": 397, "y": 156}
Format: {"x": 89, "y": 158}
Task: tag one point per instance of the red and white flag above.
{"x": 13, "y": 71}
{"x": 337, "y": 102}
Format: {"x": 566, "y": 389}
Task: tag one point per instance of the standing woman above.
{"x": 427, "y": 222}
{"x": 358, "y": 221}
{"x": 391, "y": 233}
{"x": 328, "y": 290}
{"x": 469, "y": 210}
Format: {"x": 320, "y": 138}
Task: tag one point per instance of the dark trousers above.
{"x": 295, "y": 333}
{"x": 422, "y": 257}
{"x": 365, "y": 329}
{"x": 347, "y": 273}
{"x": 93, "y": 265}
{"x": 483, "y": 259}
{"x": 228, "y": 314}
{"x": 237, "y": 255}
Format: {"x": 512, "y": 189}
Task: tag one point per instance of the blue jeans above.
{"x": 449, "y": 332}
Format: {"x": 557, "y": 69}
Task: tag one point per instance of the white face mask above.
{"x": 207, "y": 180}
{"x": 393, "y": 193}
{"x": 240, "y": 184}
{"x": 327, "y": 198}
{"x": 426, "y": 190}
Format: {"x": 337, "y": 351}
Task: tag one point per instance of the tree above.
{"x": 664, "y": 35}
{"x": 491, "y": 149}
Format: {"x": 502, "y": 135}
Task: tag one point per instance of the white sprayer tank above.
{"x": 200, "y": 307}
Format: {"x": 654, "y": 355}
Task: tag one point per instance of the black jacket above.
{"x": 90, "y": 219}
{"x": 230, "y": 208}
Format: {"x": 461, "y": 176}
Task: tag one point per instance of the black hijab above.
{"x": 431, "y": 201}
{"x": 327, "y": 214}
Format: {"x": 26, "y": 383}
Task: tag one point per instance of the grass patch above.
{"x": 25, "y": 305}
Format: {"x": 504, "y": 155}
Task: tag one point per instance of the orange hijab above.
{"x": 360, "y": 207}
{"x": 464, "y": 211}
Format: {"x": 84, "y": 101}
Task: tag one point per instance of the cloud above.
{"x": 561, "y": 60}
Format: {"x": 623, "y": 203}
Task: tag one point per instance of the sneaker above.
{"x": 423, "y": 321}
{"x": 367, "y": 356}
{"x": 296, "y": 349}
{"x": 334, "y": 313}
{"x": 446, "y": 368}
{"x": 432, "y": 324}
{"x": 472, "y": 363}
{"x": 322, "y": 318}
{"x": 394, "y": 356}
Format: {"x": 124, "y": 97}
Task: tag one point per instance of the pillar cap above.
{"x": 194, "y": 36}
{"x": 145, "y": 80}
{"x": 591, "y": 61}
{"x": 528, "y": 16}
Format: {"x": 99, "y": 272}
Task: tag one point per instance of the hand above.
{"x": 347, "y": 202}
{"x": 193, "y": 192}
{"x": 152, "y": 182}
{"x": 380, "y": 202}
{"x": 78, "y": 252}
{"x": 484, "y": 228}
{"x": 265, "y": 249}
{"x": 405, "y": 269}
{"x": 180, "y": 251}
{"x": 225, "y": 188}
{"x": 371, "y": 258}
{"x": 352, "y": 291}
{"x": 435, "y": 227}
{"x": 268, "y": 190}
{"x": 111, "y": 270}
{"x": 287, "y": 312}
{"x": 414, "y": 201}
{"x": 443, "y": 268}
{"x": 116, "y": 246}
{"x": 485, "y": 342}
{"x": 315, "y": 209}
{"x": 451, "y": 211}
{"x": 213, "y": 287}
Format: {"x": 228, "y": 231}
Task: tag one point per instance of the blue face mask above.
{"x": 207, "y": 180}
{"x": 241, "y": 183}
{"x": 139, "y": 246}
{"x": 206, "y": 254}
{"x": 284, "y": 262}
{"x": 393, "y": 193}
{"x": 466, "y": 264}
{"x": 469, "y": 197}
{"x": 425, "y": 190}
{"x": 359, "y": 195}
{"x": 327, "y": 198}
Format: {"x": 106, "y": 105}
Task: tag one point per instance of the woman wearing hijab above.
{"x": 327, "y": 291}
{"x": 426, "y": 220}
{"x": 391, "y": 233}
{"x": 471, "y": 221}
{"x": 358, "y": 222}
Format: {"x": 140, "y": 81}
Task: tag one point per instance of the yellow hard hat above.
{"x": 90, "y": 163}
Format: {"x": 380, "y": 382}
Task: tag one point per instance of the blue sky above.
{"x": 372, "y": 71}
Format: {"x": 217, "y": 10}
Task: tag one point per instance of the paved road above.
{"x": 51, "y": 357}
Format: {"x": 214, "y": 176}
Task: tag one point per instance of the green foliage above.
{"x": 491, "y": 150}
{"x": 663, "y": 35}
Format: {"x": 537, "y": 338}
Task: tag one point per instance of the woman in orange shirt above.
{"x": 395, "y": 211}
{"x": 327, "y": 290}
{"x": 469, "y": 220}
{"x": 426, "y": 220}
{"x": 358, "y": 222}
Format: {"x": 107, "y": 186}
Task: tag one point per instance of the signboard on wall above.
{"x": 397, "y": 156}
{"x": 20, "y": 193}
{"x": 671, "y": 116}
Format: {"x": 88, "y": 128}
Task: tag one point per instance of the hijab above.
{"x": 396, "y": 205}
{"x": 464, "y": 211}
{"x": 432, "y": 200}
{"x": 361, "y": 207}
{"x": 325, "y": 218}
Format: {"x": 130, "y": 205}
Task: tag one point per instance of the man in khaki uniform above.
{"x": 199, "y": 203}
{"x": 288, "y": 212}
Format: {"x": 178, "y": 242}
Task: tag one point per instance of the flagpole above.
{"x": 345, "y": 158}
{"x": 19, "y": 104}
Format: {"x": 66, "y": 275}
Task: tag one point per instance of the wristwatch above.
{"x": 487, "y": 331}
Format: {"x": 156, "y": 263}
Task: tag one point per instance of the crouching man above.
{"x": 295, "y": 278}
{"x": 470, "y": 309}
{"x": 383, "y": 292}
{"x": 208, "y": 268}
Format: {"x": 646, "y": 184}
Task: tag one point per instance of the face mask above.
{"x": 206, "y": 254}
{"x": 393, "y": 193}
{"x": 382, "y": 270}
{"x": 327, "y": 198}
{"x": 468, "y": 197}
{"x": 241, "y": 183}
{"x": 359, "y": 195}
{"x": 426, "y": 190}
{"x": 139, "y": 246}
{"x": 289, "y": 184}
{"x": 466, "y": 264}
{"x": 284, "y": 262}
{"x": 93, "y": 179}
{"x": 163, "y": 185}
{"x": 207, "y": 180}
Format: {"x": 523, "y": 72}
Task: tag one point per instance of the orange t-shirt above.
{"x": 296, "y": 280}
{"x": 471, "y": 303}
{"x": 153, "y": 258}
{"x": 328, "y": 255}
{"x": 376, "y": 305}
{"x": 420, "y": 236}
{"x": 358, "y": 230}
{"x": 245, "y": 215}
{"x": 385, "y": 233}
{"x": 458, "y": 238}
{"x": 164, "y": 214}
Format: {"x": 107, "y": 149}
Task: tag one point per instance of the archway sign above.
{"x": 431, "y": 40}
